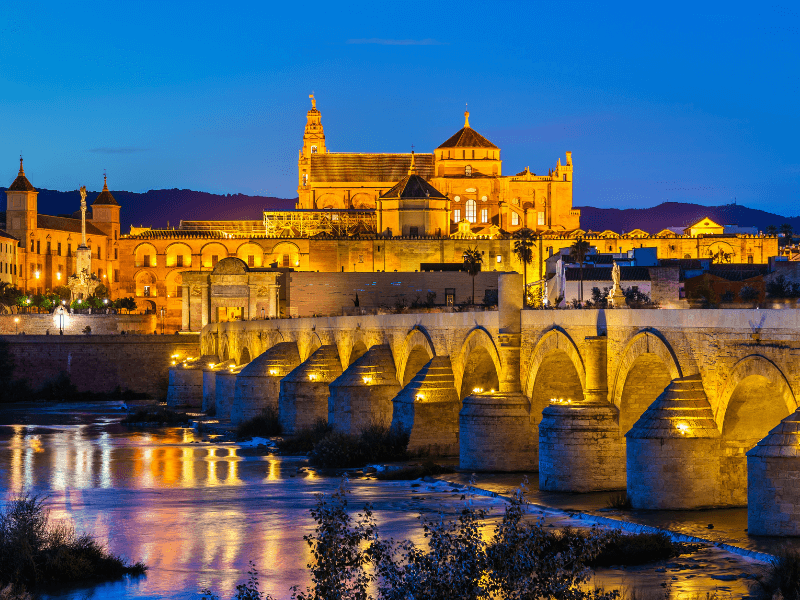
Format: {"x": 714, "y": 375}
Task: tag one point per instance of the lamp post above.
{"x": 16, "y": 322}
{"x": 61, "y": 321}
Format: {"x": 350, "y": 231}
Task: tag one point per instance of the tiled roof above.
{"x": 604, "y": 274}
{"x": 413, "y": 186}
{"x": 467, "y": 137}
{"x": 65, "y": 224}
{"x": 21, "y": 184}
{"x": 341, "y": 166}
{"x": 105, "y": 196}
{"x": 5, "y": 234}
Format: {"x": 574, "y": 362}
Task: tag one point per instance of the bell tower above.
{"x": 313, "y": 143}
{"x": 21, "y": 207}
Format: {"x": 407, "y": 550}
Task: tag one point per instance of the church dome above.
{"x": 21, "y": 183}
{"x": 467, "y": 137}
{"x": 105, "y": 196}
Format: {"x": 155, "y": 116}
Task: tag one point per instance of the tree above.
{"x": 472, "y": 265}
{"x": 577, "y": 253}
{"x": 748, "y": 293}
{"x": 523, "y": 249}
{"x": 772, "y": 230}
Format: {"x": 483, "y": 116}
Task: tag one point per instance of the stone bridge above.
{"x": 664, "y": 402}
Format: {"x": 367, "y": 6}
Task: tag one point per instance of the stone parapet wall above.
{"x": 40, "y": 324}
{"x": 101, "y": 363}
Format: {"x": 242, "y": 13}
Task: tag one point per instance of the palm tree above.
{"x": 786, "y": 230}
{"x": 472, "y": 264}
{"x": 523, "y": 249}
{"x": 577, "y": 253}
{"x": 771, "y": 230}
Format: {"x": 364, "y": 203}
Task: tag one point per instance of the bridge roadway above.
{"x": 665, "y": 403}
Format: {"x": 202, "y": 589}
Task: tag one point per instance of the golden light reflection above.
{"x": 683, "y": 428}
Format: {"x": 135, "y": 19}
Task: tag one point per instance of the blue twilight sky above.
{"x": 693, "y": 101}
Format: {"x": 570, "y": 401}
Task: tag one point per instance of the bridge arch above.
{"x": 416, "y": 351}
{"x": 555, "y": 370}
{"x": 756, "y": 386}
{"x": 647, "y": 365}
{"x": 244, "y": 356}
{"x": 478, "y": 363}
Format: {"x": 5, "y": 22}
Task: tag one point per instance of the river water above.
{"x": 197, "y": 510}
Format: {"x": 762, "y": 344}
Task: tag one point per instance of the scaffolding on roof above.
{"x": 310, "y": 223}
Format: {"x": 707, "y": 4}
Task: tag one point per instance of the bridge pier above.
{"x": 224, "y": 390}
{"x": 303, "y": 397}
{"x": 362, "y": 395}
{"x": 428, "y": 408}
{"x": 186, "y": 382}
{"x": 210, "y": 370}
{"x": 258, "y": 383}
{"x": 673, "y": 450}
{"x": 580, "y": 446}
{"x": 496, "y": 430}
{"x": 773, "y": 472}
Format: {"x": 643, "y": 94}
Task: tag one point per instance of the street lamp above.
{"x": 61, "y": 321}
{"x": 16, "y": 322}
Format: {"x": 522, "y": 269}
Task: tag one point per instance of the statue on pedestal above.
{"x": 616, "y": 296}
{"x": 83, "y": 283}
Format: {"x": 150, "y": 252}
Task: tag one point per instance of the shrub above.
{"x": 35, "y": 551}
{"x": 304, "y": 440}
{"x": 636, "y": 549}
{"x": 620, "y": 501}
{"x": 375, "y": 444}
{"x": 59, "y": 389}
{"x": 748, "y": 293}
{"x": 168, "y": 417}
{"x": 337, "y": 450}
{"x": 781, "y": 579}
{"x": 265, "y": 424}
{"x": 781, "y": 287}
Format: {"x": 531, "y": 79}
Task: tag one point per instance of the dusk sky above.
{"x": 692, "y": 102}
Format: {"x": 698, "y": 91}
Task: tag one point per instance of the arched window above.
{"x": 313, "y": 149}
{"x": 305, "y": 178}
{"x": 457, "y": 216}
{"x": 514, "y": 219}
{"x": 468, "y": 170}
{"x": 470, "y": 211}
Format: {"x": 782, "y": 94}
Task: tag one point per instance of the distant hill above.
{"x": 156, "y": 208}
{"x": 678, "y": 214}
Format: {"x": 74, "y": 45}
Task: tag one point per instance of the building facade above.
{"x": 46, "y": 254}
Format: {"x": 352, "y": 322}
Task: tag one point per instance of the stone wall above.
{"x": 32, "y": 324}
{"x": 328, "y": 293}
{"x": 100, "y": 363}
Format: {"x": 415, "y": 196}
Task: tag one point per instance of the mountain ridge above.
{"x": 160, "y": 208}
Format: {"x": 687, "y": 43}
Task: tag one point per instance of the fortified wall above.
{"x": 41, "y": 324}
{"x": 100, "y": 363}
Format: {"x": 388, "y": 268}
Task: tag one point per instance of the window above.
{"x": 115, "y": 254}
{"x": 540, "y": 218}
{"x": 49, "y": 248}
{"x": 146, "y": 291}
{"x": 457, "y": 199}
{"x": 146, "y": 258}
{"x": 115, "y": 235}
{"x": 484, "y": 215}
{"x": 457, "y": 215}
{"x": 179, "y": 260}
{"x": 499, "y": 258}
{"x": 179, "y": 291}
{"x": 98, "y": 253}
{"x": 286, "y": 260}
{"x": 251, "y": 261}
{"x": 565, "y": 176}
{"x": 69, "y": 249}
{"x": 38, "y": 247}
{"x": 473, "y": 154}
{"x": 116, "y": 274}
{"x": 549, "y": 251}
{"x": 100, "y": 273}
{"x": 413, "y": 231}
{"x": 468, "y": 170}
{"x": 305, "y": 178}
{"x": 313, "y": 149}
{"x": 749, "y": 259}
{"x": 59, "y": 248}
{"x": 470, "y": 210}
{"x": 214, "y": 260}
{"x": 514, "y": 219}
